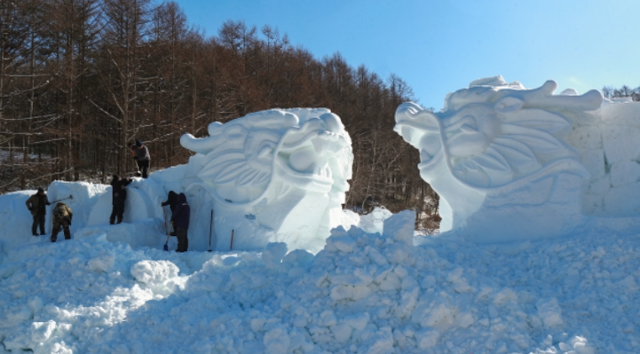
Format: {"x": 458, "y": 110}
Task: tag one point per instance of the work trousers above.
{"x": 38, "y": 220}
{"x": 117, "y": 212}
{"x": 183, "y": 241}
{"x": 143, "y": 166}
{"x": 56, "y": 228}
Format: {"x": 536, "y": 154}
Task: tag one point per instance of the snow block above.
{"x": 550, "y": 312}
{"x": 621, "y": 143}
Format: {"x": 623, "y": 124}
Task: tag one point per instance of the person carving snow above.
{"x": 62, "y": 216}
{"x": 37, "y": 204}
{"x": 140, "y": 153}
{"x": 180, "y": 221}
{"x": 172, "y": 202}
{"x": 119, "y": 198}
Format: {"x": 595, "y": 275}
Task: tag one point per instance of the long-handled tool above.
{"x": 166, "y": 244}
{"x": 210, "y": 229}
{"x": 59, "y": 200}
{"x": 231, "y": 246}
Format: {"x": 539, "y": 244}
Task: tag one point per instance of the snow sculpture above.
{"x": 508, "y": 160}
{"x": 281, "y": 170}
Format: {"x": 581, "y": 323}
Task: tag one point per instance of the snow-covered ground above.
{"x": 364, "y": 293}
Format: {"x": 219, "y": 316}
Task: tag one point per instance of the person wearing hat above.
{"x": 140, "y": 153}
{"x": 37, "y": 205}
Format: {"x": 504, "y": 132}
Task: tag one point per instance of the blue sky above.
{"x": 440, "y": 46}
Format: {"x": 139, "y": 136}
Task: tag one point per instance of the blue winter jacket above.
{"x": 182, "y": 213}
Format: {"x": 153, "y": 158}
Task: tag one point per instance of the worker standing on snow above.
{"x": 37, "y": 204}
{"x": 62, "y": 216}
{"x": 119, "y": 198}
{"x": 140, "y": 153}
{"x": 180, "y": 221}
{"x": 172, "y": 202}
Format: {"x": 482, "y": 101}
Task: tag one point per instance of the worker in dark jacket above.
{"x": 119, "y": 198}
{"x": 140, "y": 153}
{"x": 62, "y": 216}
{"x": 172, "y": 202}
{"x": 180, "y": 221}
{"x": 37, "y": 205}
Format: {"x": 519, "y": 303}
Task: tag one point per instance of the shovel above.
{"x": 166, "y": 244}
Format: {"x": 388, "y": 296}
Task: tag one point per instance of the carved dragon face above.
{"x": 306, "y": 149}
{"x": 491, "y": 137}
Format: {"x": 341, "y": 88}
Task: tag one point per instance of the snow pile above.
{"x": 504, "y": 158}
{"x": 364, "y": 293}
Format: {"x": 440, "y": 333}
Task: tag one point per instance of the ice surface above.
{"x": 505, "y": 159}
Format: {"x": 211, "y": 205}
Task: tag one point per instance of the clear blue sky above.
{"x": 440, "y": 46}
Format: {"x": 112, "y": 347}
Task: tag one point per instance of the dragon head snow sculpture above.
{"x": 285, "y": 169}
{"x": 497, "y": 151}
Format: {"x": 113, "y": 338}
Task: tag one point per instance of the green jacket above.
{"x": 37, "y": 203}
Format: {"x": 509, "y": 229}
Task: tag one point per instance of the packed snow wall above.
{"x": 271, "y": 176}
{"x": 509, "y": 160}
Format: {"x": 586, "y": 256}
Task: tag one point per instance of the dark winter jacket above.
{"x": 180, "y": 217}
{"x": 37, "y": 203}
{"x": 118, "y": 189}
{"x": 141, "y": 153}
{"x": 172, "y": 201}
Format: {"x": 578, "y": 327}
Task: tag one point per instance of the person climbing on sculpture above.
{"x": 172, "y": 202}
{"x": 37, "y": 205}
{"x": 140, "y": 153}
{"x": 119, "y": 198}
{"x": 62, "y": 216}
{"x": 180, "y": 222}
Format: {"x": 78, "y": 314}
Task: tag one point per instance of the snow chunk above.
{"x": 42, "y": 331}
{"x": 550, "y": 312}
{"x": 277, "y": 341}
{"x": 349, "y": 292}
{"x": 102, "y": 263}
{"x": 400, "y": 227}
{"x": 154, "y": 272}
{"x": 273, "y": 253}
{"x": 427, "y": 338}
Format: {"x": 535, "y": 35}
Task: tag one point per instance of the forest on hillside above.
{"x": 82, "y": 79}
